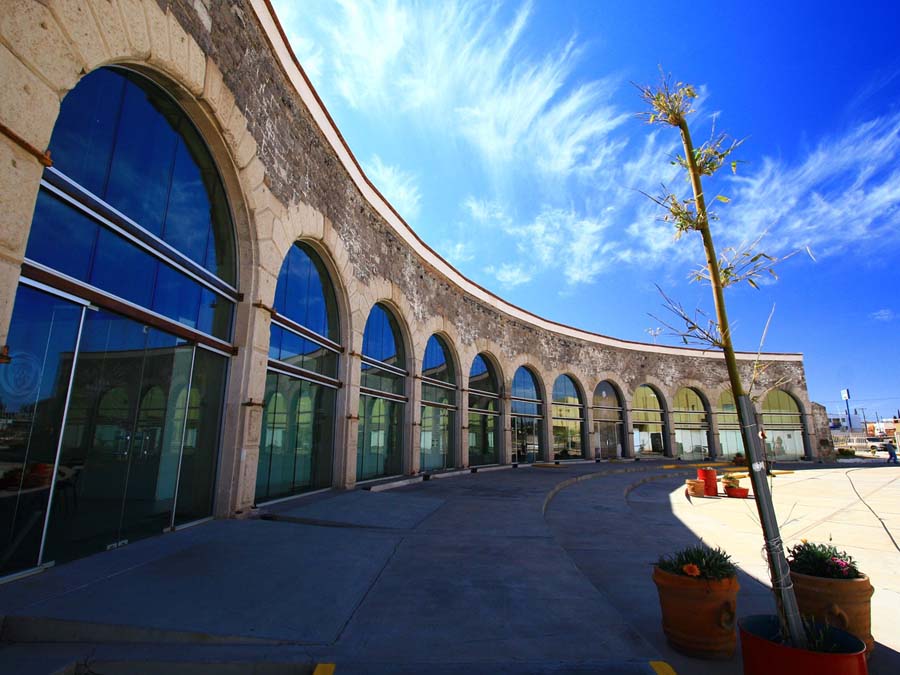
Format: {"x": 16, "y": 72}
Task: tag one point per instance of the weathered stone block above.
{"x": 77, "y": 21}
{"x": 27, "y": 105}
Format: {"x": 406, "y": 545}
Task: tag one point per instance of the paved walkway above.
{"x": 481, "y": 571}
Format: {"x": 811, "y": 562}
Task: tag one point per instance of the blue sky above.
{"x": 504, "y": 133}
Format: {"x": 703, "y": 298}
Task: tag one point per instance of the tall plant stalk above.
{"x": 670, "y": 106}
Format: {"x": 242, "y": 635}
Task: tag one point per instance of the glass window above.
{"x": 525, "y": 384}
{"x": 381, "y": 339}
{"x": 125, "y": 140}
{"x": 483, "y": 439}
{"x": 783, "y": 423}
{"x": 436, "y": 438}
{"x": 648, "y": 428}
{"x": 568, "y": 415}
{"x": 482, "y": 376}
{"x": 379, "y": 440}
{"x": 608, "y": 432}
{"x": 304, "y": 293}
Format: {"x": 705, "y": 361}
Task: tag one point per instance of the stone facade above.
{"x": 290, "y": 176}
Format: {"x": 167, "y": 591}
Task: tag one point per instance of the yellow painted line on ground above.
{"x": 546, "y": 465}
{"x": 327, "y": 669}
{"x": 662, "y": 668}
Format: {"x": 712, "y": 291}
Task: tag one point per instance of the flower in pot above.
{"x": 698, "y": 597}
{"x": 831, "y": 589}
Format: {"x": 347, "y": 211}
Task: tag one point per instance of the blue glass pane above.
{"x": 176, "y": 296}
{"x": 123, "y": 269}
{"x": 481, "y": 376}
{"x": 524, "y": 385}
{"x": 187, "y": 226}
{"x": 275, "y": 335}
{"x": 436, "y": 363}
{"x": 143, "y": 159}
{"x": 381, "y": 340}
{"x": 525, "y": 408}
{"x": 302, "y": 296}
{"x": 565, "y": 391}
{"x": 61, "y": 237}
{"x": 215, "y": 314}
{"x": 82, "y": 141}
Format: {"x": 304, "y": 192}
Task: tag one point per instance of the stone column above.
{"x": 668, "y": 435}
{"x": 461, "y": 443}
{"x": 412, "y": 427}
{"x": 504, "y": 422}
{"x": 547, "y": 453}
{"x": 715, "y": 446}
{"x": 345, "y": 467}
{"x": 590, "y": 452}
{"x": 627, "y": 434}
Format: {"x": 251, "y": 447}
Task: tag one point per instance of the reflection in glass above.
{"x": 608, "y": 431}
{"x": 783, "y": 422}
{"x": 436, "y": 438}
{"x": 484, "y": 411}
{"x": 691, "y": 425}
{"x": 123, "y": 436}
{"x": 567, "y": 412}
{"x": 527, "y": 418}
{"x": 33, "y": 385}
{"x": 295, "y": 452}
{"x": 378, "y": 443}
{"x": 647, "y": 422}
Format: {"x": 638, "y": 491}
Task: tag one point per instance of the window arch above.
{"x": 783, "y": 421}
{"x": 608, "y": 434}
{"x": 527, "y": 417}
{"x": 296, "y": 450}
{"x": 647, "y": 422}
{"x": 132, "y": 219}
{"x": 691, "y": 425}
{"x": 484, "y": 412}
{"x": 382, "y": 397}
{"x": 568, "y": 419}
{"x": 437, "y": 436}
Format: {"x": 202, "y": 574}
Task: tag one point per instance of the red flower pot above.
{"x": 708, "y": 476}
{"x": 737, "y": 492}
{"x": 763, "y": 654}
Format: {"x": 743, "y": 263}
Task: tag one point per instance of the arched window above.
{"x": 132, "y": 219}
{"x": 783, "y": 422}
{"x": 438, "y": 407}
{"x": 527, "y": 417}
{"x": 730, "y": 440}
{"x": 484, "y": 412}
{"x": 382, "y": 397}
{"x": 691, "y": 425}
{"x": 568, "y": 419}
{"x": 608, "y": 432}
{"x": 647, "y": 422}
{"x": 296, "y": 450}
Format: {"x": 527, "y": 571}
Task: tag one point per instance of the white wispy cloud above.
{"x": 883, "y": 315}
{"x": 398, "y": 186}
{"x": 845, "y": 190}
{"x": 509, "y": 275}
{"x": 459, "y": 65}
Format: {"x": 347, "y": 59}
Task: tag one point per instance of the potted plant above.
{"x": 831, "y": 589}
{"x": 732, "y": 484}
{"x": 698, "y": 589}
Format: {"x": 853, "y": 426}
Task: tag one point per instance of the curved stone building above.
{"x": 206, "y": 305}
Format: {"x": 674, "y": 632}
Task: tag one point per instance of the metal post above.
{"x": 781, "y": 577}
{"x": 849, "y": 419}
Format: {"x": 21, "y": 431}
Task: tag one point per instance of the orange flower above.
{"x": 691, "y": 570}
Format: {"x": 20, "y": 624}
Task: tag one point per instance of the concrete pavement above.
{"x": 483, "y": 571}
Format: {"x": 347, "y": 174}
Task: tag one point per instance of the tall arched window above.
{"x": 527, "y": 417}
{"x": 608, "y": 424}
{"x": 783, "y": 422}
{"x": 730, "y": 440}
{"x": 132, "y": 220}
{"x": 484, "y": 413}
{"x": 438, "y": 407}
{"x": 296, "y": 448}
{"x": 568, "y": 419}
{"x": 382, "y": 397}
{"x": 691, "y": 425}
{"x": 647, "y": 422}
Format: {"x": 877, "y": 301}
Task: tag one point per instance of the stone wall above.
{"x": 289, "y": 176}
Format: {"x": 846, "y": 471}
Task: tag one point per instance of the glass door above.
{"x": 34, "y": 382}
{"x": 123, "y": 437}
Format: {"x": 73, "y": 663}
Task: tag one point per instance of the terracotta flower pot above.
{"x": 698, "y": 614}
{"x": 763, "y": 654}
{"x": 842, "y": 603}
{"x": 695, "y": 488}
